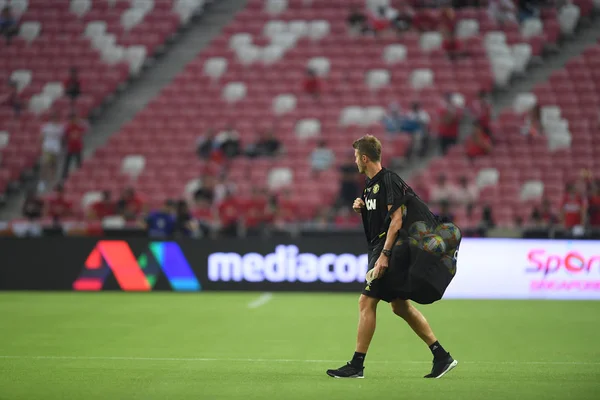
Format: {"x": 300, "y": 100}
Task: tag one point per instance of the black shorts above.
{"x": 389, "y": 286}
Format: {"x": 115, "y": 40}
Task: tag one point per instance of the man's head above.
{"x": 415, "y": 106}
{"x": 128, "y": 193}
{"x": 483, "y": 94}
{"x": 169, "y": 206}
{"x": 367, "y": 150}
{"x": 59, "y": 190}
{"x": 73, "y": 71}
{"x": 106, "y": 196}
{"x": 441, "y": 180}
{"x": 322, "y": 144}
{"x": 311, "y": 73}
{"x": 73, "y": 117}
{"x": 463, "y": 181}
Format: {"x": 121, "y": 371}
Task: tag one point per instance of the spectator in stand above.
{"x": 229, "y": 215}
{"x": 130, "y": 205}
{"x": 312, "y": 83}
{"x": 322, "y": 157}
{"x": 185, "y": 224}
{"x": 449, "y": 123}
{"x": 73, "y": 86}
{"x": 267, "y": 146}
{"x": 211, "y": 191}
{"x": 380, "y": 19}
{"x": 542, "y": 217}
{"x": 467, "y": 193}
{"x": 57, "y": 206}
{"x": 481, "y": 109}
{"x": 357, "y": 21}
{"x": 103, "y": 208}
{"x": 161, "y": 223}
{"x": 52, "y": 133}
{"x": 447, "y": 20}
{"x": 573, "y": 209}
{"x": 404, "y": 19}
{"x": 228, "y": 141}
{"x": 416, "y": 123}
{"x": 349, "y": 189}
{"x": 443, "y": 191}
{"x": 9, "y": 26}
{"x": 392, "y": 120}
{"x": 12, "y": 98}
{"x": 487, "y": 218}
{"x": 255, "y": 210}
{"x": 528, "y": 9}
{"x": 479, "y": 143}
{"x": 33, "y": 207}
{"x": 205, "y": 144}
{"x": 532, "y": 123}
{"x": 74, "y": 131}
{"x": 444, "y": 213}
{"x": 206, "y": 217}
{"x": 451, "y": 44}
{"x": 502, "y": 11}
{"x": 594, "y": 205}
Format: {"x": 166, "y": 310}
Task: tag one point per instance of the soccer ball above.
{"x": 419, "y": 230}
{"x": 434, "y": 244}
{"x": 450, "y": 233}
{"x": 450, "y": 264}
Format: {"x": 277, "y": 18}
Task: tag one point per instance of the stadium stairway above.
{"x": 162, "y": 70}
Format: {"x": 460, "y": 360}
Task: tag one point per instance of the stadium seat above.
{"x": 240, "y": 40}
{"x": 80, "y": 7}
{"x": 532, "y": 190}
{"x": 521, "y": 55}
{"x": 22, "y": 77}
{"x": 186, "y": 9}
{"x": 318, "y": 29}
{"x": 487, "y": 177}
{"x": 133, "y": 165}
{"x": 377, "y": 78}
{"x": 308, "y": 128}
{"x": 113, "y": 222}
{"x": 274, "y": 28}
{"x": 39, "y": 103}
{"x": 215, "y": 67}
{"x": 234, "y": 91}
{"x": 284, "y": 103}
{"x": 320, "y": 65}
{"x": 29, "y": 31}
{"x": 4, "y": 139}
{"x": 394, "y": 53}
{"x": 279, "y": 178}
{"x": 467, "y": 28}
{"x": 352, "y": 115}
{"x": 421, "y": 78}
{"x": 274, "y": 7}
{"x": 568, "y": 16}
{"x": 131, "y": 18}
{"x": 95, "y": 28}
{"x": 298, "y": 28}
{"x": 248, "y": 54}
{"x": 54, "y": 90}
{"x": 524, "y": 102}
{"x": 430, "y": 41}
{"x": 272, "y": 54}
{"x": 532, "y": 27}
{"x": 135, "y": 57}
{"x": 373, "y": 115}
{"x": 90, "y": 198}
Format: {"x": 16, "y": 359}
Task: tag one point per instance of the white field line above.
{"x": 261, "y": 301}
{"x": 279, "y": 360}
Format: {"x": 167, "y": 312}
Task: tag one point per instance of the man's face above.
{"x": 360, "y": 163}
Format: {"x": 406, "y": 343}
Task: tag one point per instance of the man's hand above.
{"x": 380, "y": 266}
{"x": 358, "y": 205}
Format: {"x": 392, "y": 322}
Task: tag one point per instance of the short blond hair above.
{"x": 369, "y": 146}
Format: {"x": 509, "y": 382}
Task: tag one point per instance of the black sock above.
{"x": 438, "y": 351}
{"x": 358, "y": 359}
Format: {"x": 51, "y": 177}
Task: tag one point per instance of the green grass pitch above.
{"x": 213, "y": 346}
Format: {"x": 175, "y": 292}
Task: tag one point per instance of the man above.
{"x": 52, "y": 133}
{"x": 161, "y": 223}
{"x": 103, "y": 208}
{"x": 74, "y": 132}
{"x": 385, "y": 198}
{"x": 449, "y": 123}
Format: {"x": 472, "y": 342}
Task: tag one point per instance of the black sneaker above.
{"x": 347, "y": 371}
{"x": 441, "y": 367}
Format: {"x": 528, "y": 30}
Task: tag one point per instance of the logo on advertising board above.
{"x": 287, "y": 264}
{"x": 564, "y": 268}
{"x": 141, "y": 274}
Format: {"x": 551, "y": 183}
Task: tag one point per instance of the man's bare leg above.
{"x": 367, "y": 319}
{"x": 442, "y": 361}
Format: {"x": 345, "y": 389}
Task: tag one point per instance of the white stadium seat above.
{"x": 95, "y": 28}
{"x": 192, "y": 186}
{"x": 532, "y": 190}
{"x": 568, "y": 16}
{"x": 22, "y": 77}
{"x": 318, "y": 29}
{"x": 131, "y": 18}
{"x": 373, "y": 115}
{"x": 80, "y": 7}
{"x": 298, "y": 28}
{"x": 307, "y": 128}
{"x": 54, "y": 90}
{"x": 105, "y": 40}
{"x": 30, "y": 31}
{"x": 320, "y": 65}
{"x": 280, "y": 177}
{"x": 145, "y": 6}
{"x": 521, "y": 54}
{"x": 531, "y": 27}
{"x": 394, "y": 53}
{"x": 186, "y": 9}
{"x": 19, "y": 7}
{"x": 286, "y": 40}
{"x": 4, "y": 139}
{"x": 524, "y": 102}
{"x": 274, "y": 28}
{"x": 494, "y": 38}
{"x": 421, "y": 78}
{"x": 271, "y": 54}
{"x": 353, "y": 115}
{"x": 39, "y": 103}
{"x": 550, "y": 114}
{"x": 467, "y": 28}
{"x": 377, "y": 78}
{"x": 502, "y": 69}
{"x": 240, "y": 40}
{"x": 135, "y": 56}
{"x": 215, "y": 67}
{"x": 113, "y": 222}
{"x": 112, "y": 54}
{"x": 90, "y": 198}
{"x": 458, "y": 100}
{"x": 133, "y": 165}
{"x": 248, "y": 54}
{"x": 274, "y": 7}
{"x": 284, "y": 103}
{"x": 234, "y": 91}
{"x": 430, "y": 41}
{"x": 487, "y": 177}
